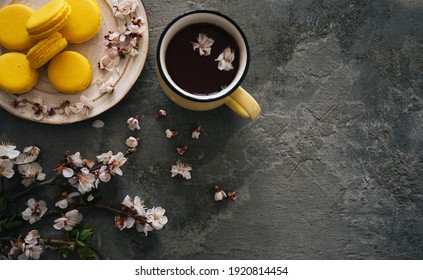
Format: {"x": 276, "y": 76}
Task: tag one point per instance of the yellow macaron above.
{"x": 45, "y": 50}
{"x": 13, "y": 34}
{"x": 84, "y": 21}
{"x": 69, "y": 72}
{"x": 48, "y": 19}
{"x": 16, "y": 75}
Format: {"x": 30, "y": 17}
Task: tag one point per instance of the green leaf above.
{"x": 64, "y": 254}
{"x": 83, "y": 236}
{"x": 86, "y": 234}
{"x": 87, "y": 253}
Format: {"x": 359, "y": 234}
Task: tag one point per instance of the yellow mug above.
{"x": 232, "y": 95}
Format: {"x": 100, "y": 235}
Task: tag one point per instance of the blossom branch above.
{"x": 100, "y": 206}
{"x": 29, "y": 189}
{"x": 70, "y": 245}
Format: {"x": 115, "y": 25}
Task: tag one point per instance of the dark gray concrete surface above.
{"x": 332, "y": 168}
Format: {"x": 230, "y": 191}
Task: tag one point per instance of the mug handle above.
{"x": 242, "y": 103}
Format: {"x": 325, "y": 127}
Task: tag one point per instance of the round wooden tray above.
{"x": 128, "y": 72}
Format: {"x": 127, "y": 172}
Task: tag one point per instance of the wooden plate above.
{"x": 123, "y": 78}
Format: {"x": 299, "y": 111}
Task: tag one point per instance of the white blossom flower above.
{"x": 6, "y": 168}
{"x": 32, "y": 252}
{"x": 203, "y": 44}
{"x": 66, "y": 108}
{"x": 132, "y": 142}
{"x": 124, "y": 222}
{"x": 84, "y": 106}
{"x": 30, "y": 173}
{"x": 136, "y": 29}
{"x": 17, "y": 247}
{"x": 171, "y": 133}
{"x": 160, "y": 113}
{"x": 66, "y": 199}
{"x": 115, "y": 162}
{"x": 102, "y": 175}
{"x": 84, "y": 181}
{"x": 122, "y": 8}
{"x": 67, "y": 172}
{"x": 88, "y": 163}
{"x": 32, "y": 150}
{"x": 76, "y": 159}
{"x": 107, "y": 86}
{"x": 25, "y": 158}
{"x": 90, "y": 198}
{"x": 156, "y": 218}
{"x": 219, "y": 194}
{"x": 68, "y": 221}
{"x": 38, "y": 109}
{"x": 19, "y": 104}
{"x": 143, "y": 227}
{"x": 196, "y": 133}
{"x": 133, "y": 123}
{"x": 181, "y": 169}
{"x": 29, "y": 155}
{"x": 109, "y": 63}
{"x": 105, "y": 157}
{"x": 225, "y": 59}
{"x": 135, "y": 207}
{"x": 7, "y": 150}
{"x": 31, "y": 237}
{"x": 113, "y": 51}
{"x": 35, "y": 210}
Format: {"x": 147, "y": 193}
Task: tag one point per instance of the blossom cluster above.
{"x": 84, "y": 175}
{"x": 122, "y": 42}
{"x": 118, "y": 44}
{"x": 27, "y": 247}
{"x": 31, "y": 171}
{"x": 41, "y": 109}
{"x": 134, "y": 212}
{"x": 204, "y": 44}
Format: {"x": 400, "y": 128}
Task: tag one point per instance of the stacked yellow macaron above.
{"x": 43, "y": 34}
{"x": 49, "y": 19}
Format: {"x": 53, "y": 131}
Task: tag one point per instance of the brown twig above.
{"x": 29, "y": 189}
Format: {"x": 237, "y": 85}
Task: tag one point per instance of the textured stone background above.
{"x": 332, "y": 169}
